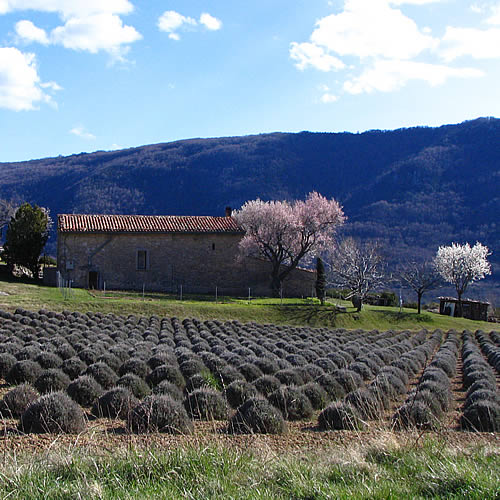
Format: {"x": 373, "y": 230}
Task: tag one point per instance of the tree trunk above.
{"x": 357, "y": 302}
{"x": 459, "y": 308}
{"x": 275, "y": 282}
{"x": 419, "y": 301}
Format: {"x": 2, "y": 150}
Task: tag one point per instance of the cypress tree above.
{"x": 320, "y": 280}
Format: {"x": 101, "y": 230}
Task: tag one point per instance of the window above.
{"x": 213, "y": 246}
{"x": 142, "y": 260}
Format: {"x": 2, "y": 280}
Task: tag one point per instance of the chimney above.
{"x": 229, "y": 211}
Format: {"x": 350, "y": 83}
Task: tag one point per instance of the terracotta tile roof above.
{"x": 86, "y": 223}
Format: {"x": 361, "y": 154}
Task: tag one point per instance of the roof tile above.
{"x": 86, "y": 223}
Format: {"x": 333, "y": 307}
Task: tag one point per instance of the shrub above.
{"x": 84, "y": 390}
{"x": 23, "y": 371}
{"x": 339, "y": 416}
{"x": 198, "y": 381}
{"x": 333, "y": 388}
{"x": 159, "y": 413}
{"x": 440, "y": 392}
{"x": 482, "y": 416}
{"x": 250, "y": 371}
{"x": 166, "y": 388}
{"x": 476, "y": 375}
{"x": 365, "y": 402}
{"x": 162, "y": 358}
{"x": 15, "y": 402}
{"x": 289, "y": 377}
{"x": 313, "y": 371}
{"x": 53, "y": 413}
{"x": 73, "y": 367}
{"x": 446, "y": 363}
{"x": 115, "y": 403}
{"x": 362, "y": 369}
{"x": 481, "y": 384}
{"x": 428, "y": 398}
{"x": 267, "y": 366}
{"x": 414, "y": 414}
{"x": 257, "y": 416}
{"x": 326, "y": 364}
{"x": 266, "y": 384}
{"x": 166, "y": 372}
{"x": 316, "y": 395}
{"x": 206, "y": 404}
{"x": 135, "y": 384}
{"x": 481, "y": 395}
{"x": 191, "y": 367}
{"x": 48, "y": 360}
{"x": 88, "y": 356}
{"x": 103, "y": 374}
{"x": 65, "y": 351}
{"x": 238, "y": 392}
{"x": 348, "y": 379}
{"x": 111, "y": 360}
{"x": 7, "y": 361}
{"x": 52, "y": 380}
{"x": 293, "y": 403}
{"x": 137, "y": 366}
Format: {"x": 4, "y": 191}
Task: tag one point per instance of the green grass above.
{"x": 429, "y": 471}
{"x": 289, "y": 311}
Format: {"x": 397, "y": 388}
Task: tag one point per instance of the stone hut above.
{"x": 161, "y": 253}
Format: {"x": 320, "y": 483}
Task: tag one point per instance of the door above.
{"x": 93, "y": 280}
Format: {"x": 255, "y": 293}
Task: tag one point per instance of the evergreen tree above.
{"x": 26, "y": 236}
{"x": 320, "y": 280}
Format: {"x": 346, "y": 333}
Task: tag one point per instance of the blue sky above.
{"x": 87, "y": 75}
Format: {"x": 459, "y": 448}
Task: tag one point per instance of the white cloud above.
{"x": 210, "y": 22}
{"x": 413, "y": 2}
{"x": 69, "y": 8}
{"x": 308, "y": 54}
{"x": 20, "y": 86}
{"x": 391, "y": 75}
{"x": 328, "y": 98}
{"x": 81, "y": 132}
{"x": 90, "y": 25}
{"x": 51, "y": 86}
{"x": 371, "y": 29}
{"x": 96, "y": 32}
{"x": 476, "y": 43}
{"x": 495, "y": 15}
{"x": 28, "y": 32}
{"x": 171, "y": 21}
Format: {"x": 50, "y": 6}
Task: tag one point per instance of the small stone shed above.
{"x": 161, "y": 253}
{"x": 471, "y": 309}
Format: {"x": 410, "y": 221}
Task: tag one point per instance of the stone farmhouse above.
{"x": 161, "y": 253}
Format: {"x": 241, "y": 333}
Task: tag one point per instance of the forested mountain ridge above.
{"x": 413, "y": 188}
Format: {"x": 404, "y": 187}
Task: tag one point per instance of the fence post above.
{"x": 216, "y": 294}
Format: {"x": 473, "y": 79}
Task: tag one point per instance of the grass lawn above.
{"x": 307, "y": 311}
{"x": 432, "y": 469}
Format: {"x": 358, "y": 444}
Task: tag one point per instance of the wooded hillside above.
{"x": 413, "y": 188}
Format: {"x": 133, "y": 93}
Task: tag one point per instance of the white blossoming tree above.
{"x": 286, "y": 234}
{"x": 461, "y": 265}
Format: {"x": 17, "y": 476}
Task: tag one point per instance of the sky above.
{"x": 87, "y": 75}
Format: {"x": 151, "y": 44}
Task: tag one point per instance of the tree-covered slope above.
{"x": 413, "y": 188}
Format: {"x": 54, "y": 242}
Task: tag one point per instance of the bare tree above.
{"x": 419, "y": 277}
{"x": 358, "y": 267}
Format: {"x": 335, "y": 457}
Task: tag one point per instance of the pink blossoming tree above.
{"x": 288, "y": 233}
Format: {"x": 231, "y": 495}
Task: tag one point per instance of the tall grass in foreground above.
{"x": 430, "y": 470}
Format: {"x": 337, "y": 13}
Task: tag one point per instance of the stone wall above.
{"x": 198, "y": 262}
